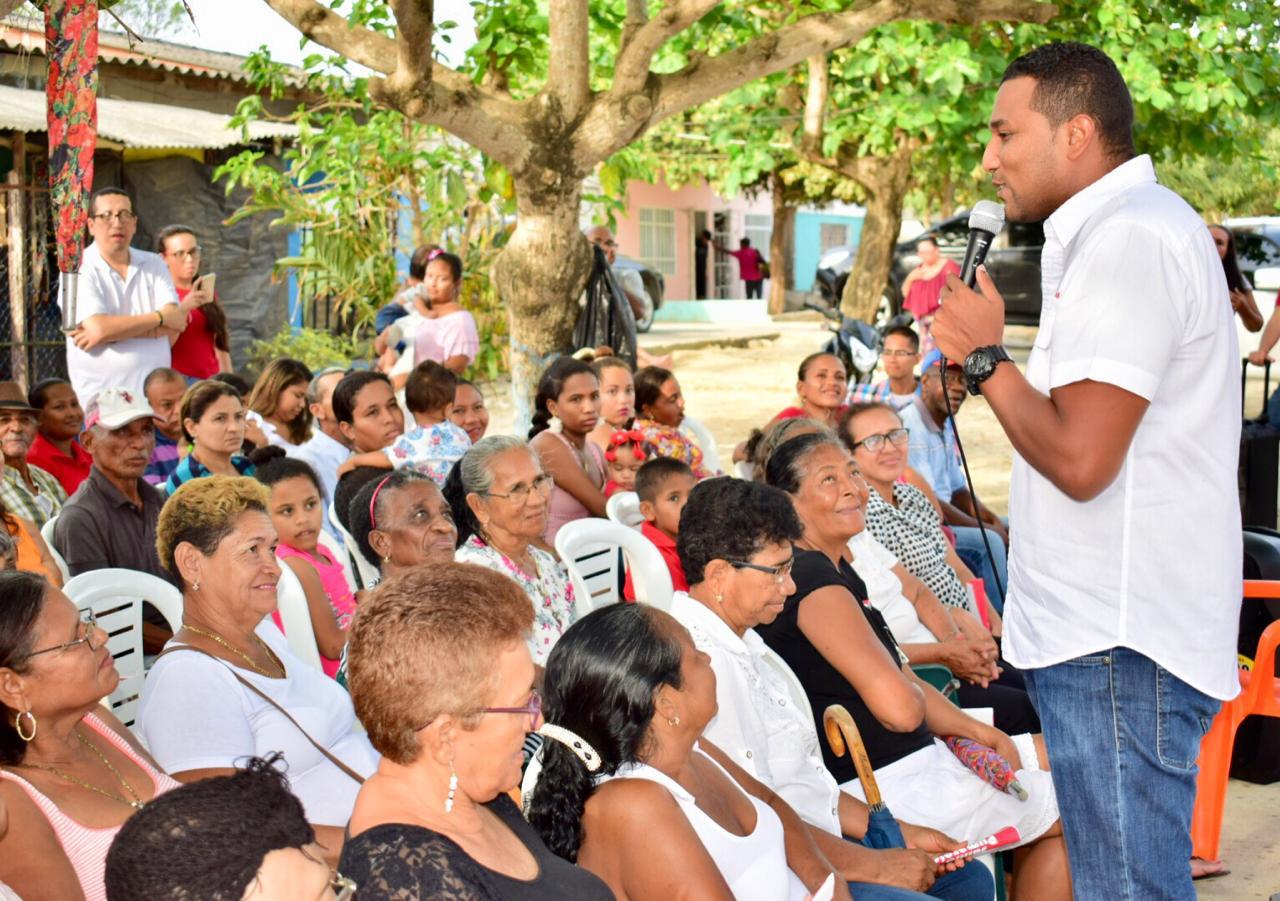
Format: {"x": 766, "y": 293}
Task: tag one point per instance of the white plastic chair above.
{"x": 624, "y": 509}
{"x": 115, "y": 596}
{"x": 295, "y": 616}
{"x": 46, "y": 532}
{"x": 589, "y": 548}
{"x": 369, "y": 573}
{"x": 705, "y": 440}
{"x": 339, "y": 554}
{"x": 744, "y": 470}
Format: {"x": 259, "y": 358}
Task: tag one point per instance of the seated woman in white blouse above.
{"x": 733, "y": 533}
{"x": 227, "y": 687}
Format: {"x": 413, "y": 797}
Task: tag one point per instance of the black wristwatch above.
{"x": 981, "y": 364}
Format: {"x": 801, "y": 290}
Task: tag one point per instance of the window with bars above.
{"x": 833, "y": 234}
{"x": 658, "y": 239}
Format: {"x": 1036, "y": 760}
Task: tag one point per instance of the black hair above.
{"x": 418, "y": 262}
{"x": 235, "y": 380}
{"x": 430, "y": 387}
{"x": 344, "y": 393}
{"x": 904, "y": 331}
{"x": 785, "y": 469}
{"x": 649, "y": 381}
{"x": 452, "y": 260}
{"x": 745, "y": 242}
{"x": 852, "y": 413}
{"x": 810, "y": 360}
{"x": 1230, "y": 268}
{"x": 732, "y": 519}
{"x": 38, "y": 395}
{"x": 600, "y": 684}
{"x": 358, "y": 513}
{"x": 109, "y": 191}
{"x": 207, "y": 839}
{"x": 22, "y": 596}
{"x": 551, "y": 385}
{"x": 345, "y": 492}
{"x": 1073, "y": 78}
{"x": 655, "y": 472}
{"x": 455, "y": 495}
{"x": 273, "y": 465}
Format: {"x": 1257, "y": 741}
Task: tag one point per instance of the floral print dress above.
{"x": 550, "y": 590}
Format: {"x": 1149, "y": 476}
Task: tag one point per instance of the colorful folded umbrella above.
{"x": 988, "y": 764}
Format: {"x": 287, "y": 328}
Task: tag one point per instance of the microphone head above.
{"x": 987, "y": 216}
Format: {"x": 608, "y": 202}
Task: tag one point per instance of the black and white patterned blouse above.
{"x": 913, "y": 532}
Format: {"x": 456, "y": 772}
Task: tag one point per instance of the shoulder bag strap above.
{"x": 260, "y": 693}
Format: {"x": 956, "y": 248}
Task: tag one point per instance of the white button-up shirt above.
{"x": 1135, "y": 296}
{"x": 122, "y": 364}
{"x": 764, "y": 725}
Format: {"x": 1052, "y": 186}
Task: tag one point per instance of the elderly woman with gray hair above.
{"x": 500, "y": 498}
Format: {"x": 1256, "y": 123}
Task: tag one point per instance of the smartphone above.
{"x": 206, "y": 283}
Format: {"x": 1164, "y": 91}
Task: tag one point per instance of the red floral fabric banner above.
{"x": 71, "y": 41}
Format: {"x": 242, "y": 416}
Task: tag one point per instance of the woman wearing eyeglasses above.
{"x": 441, "y": 674}
{"x": 204, "y": 347}
{"x": 500, "y": 498}
{"x": 70, "y": 772}
{"x": 841, "y": 649}
{"x": 902, "y": 514}
{"x": 821, "y": 384}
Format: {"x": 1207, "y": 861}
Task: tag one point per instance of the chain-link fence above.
{"x": 32, "y": 346}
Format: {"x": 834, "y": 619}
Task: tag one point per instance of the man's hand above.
{"x": 967, "y": 319}
{"x": 175, "y": 317}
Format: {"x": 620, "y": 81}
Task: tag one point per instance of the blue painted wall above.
{"x": 809, "y": 242}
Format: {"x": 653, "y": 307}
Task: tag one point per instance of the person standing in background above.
{"x": 701, "y": 255}
{"x": 751, "y": 266}
{"x": 923, "y": 285}
{"x": 204, "y": 347}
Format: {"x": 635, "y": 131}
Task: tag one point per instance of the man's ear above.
{"x": 87, "y": 441}
{"x": 1081, "y": 134}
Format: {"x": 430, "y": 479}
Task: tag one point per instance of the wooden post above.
{"x": 17, "y": 216}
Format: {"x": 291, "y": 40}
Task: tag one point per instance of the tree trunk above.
{"x": 885, "y": 180}
{"x": 546, "y": 262}
{"x": 781, "y": 249}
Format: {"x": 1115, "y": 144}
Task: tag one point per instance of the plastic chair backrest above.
{"x": 46, "y": 532}
{"x": 744, "y": 470}
{"x": 115, "y": 596}
{"x": 589, "y": 548}
{"x": 295, "y": 616}
{"x": 339, "y": 553}
{"x": 706, "y": 441}
{"x": 624, "y": 508}
{"x": 367, "y": 573}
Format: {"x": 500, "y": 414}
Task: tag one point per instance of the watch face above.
{"x": 978, "y": 364}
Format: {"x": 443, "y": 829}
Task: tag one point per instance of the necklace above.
{"x": 214, "y": 636}
{"x": 137, "y": 803}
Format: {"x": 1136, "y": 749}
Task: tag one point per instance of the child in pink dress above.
{"x": 297, "y": 512}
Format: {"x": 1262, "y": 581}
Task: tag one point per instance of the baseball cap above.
{"x": 117, "y": 407}
{"x": 933, "y": 358}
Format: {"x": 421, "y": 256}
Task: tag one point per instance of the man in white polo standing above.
{"x": 1125, "y": 568}
{"x": 127, "y": 310}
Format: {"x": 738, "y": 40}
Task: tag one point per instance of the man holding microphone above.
{"x": 1125, "y": 567}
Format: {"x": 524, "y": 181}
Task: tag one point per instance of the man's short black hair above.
{"x": 905, "y": 331}
{"x": 655, "y": 472}
{"x": 1073, "y": 78}
{"x": 344, "y": 393}
{"x": 107, "y": 192}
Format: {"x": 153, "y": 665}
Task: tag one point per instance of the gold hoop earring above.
{"x": 17, "y": 725}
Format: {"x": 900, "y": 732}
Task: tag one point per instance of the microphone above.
{"x": 985, "y": 222}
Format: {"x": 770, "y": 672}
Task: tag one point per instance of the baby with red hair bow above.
{"x": 624, "y": 456}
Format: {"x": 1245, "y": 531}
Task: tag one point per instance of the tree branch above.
{"x": 414, "y": 23}
{"x": 322, "y": 25}
{"x": 819, "y": 33}
{"x": 815, "y": 106}
{"x": 636, "y": 51}
{"x": 569, "y": 68}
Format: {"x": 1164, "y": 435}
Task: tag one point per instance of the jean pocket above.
{"x": 1183, "y": 717}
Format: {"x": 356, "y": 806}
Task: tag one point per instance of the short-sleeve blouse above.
{"x": 911, "y": 530}
{"x": 668, "y": 441}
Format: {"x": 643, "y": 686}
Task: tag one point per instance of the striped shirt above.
{"x": 878, "y": 393}
{"x": 40, "y": 506}
{"x": 164, "y": 460}
{"x": 190, "y": 468}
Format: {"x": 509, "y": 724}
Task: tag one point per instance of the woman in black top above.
{"x": 843, "y": 653}
{"x": 442, "y": 679}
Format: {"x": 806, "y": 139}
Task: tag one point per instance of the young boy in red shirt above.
{"x": 663, "y": 485}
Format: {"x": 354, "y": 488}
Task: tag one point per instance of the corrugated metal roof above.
{"x": 134, "y": 123}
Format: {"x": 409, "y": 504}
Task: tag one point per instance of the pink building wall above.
{"x": 686, "y": 201}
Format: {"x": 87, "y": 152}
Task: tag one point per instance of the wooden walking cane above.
{"x": 842, "y": 733}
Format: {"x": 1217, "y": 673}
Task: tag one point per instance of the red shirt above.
{"x": 69, "y": 471}
{"x": 194, "y": 353}
{"x": 667, "y": 548}
{"x": 748, "y": 263}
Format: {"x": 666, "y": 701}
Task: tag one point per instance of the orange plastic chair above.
{"x": 1259, "y": 695}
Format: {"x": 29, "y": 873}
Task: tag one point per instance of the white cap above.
{"x": 117, "y": 407}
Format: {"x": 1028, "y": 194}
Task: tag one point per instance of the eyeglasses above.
{"x": 519, "y": 493}
{"x": 185, "y": 254}
{"x": 779, "y": 572}
{"x": 121, "y": 216}
{"x": 90, "y": 624}
{"x": 899, "y": 353}
{"x": 873, "y": 443}
{"x": 533, "y": 709}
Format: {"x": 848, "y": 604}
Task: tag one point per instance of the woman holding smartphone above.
{"x": 204, "y": 347}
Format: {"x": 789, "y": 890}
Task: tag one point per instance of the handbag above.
{"x": 260, "y": 693}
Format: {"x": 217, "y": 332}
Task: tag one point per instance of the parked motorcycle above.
{"x": 853, "y": 342}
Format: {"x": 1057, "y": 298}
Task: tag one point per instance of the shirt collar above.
{"x": 325, "y": 444}
{"x": 114, "y": 495}
{"x": 917, "y": 401}
{"x": 659, "y": 538}
{"x": 694, "y": 614}
{"x": 1068, "y": 219}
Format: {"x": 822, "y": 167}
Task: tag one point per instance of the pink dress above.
{"x": 451, "y": 335}
{"x": 564, "y": 507}
{"x": 85, "y": 846}
{"x": 334, "y": 581}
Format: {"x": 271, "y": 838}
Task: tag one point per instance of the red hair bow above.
{"x": 624, "y": 438}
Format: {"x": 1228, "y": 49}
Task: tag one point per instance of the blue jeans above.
{"x": 972, "y": 883}
{"x": 970, "y": 549}
{"x": 1123, "y": 735}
